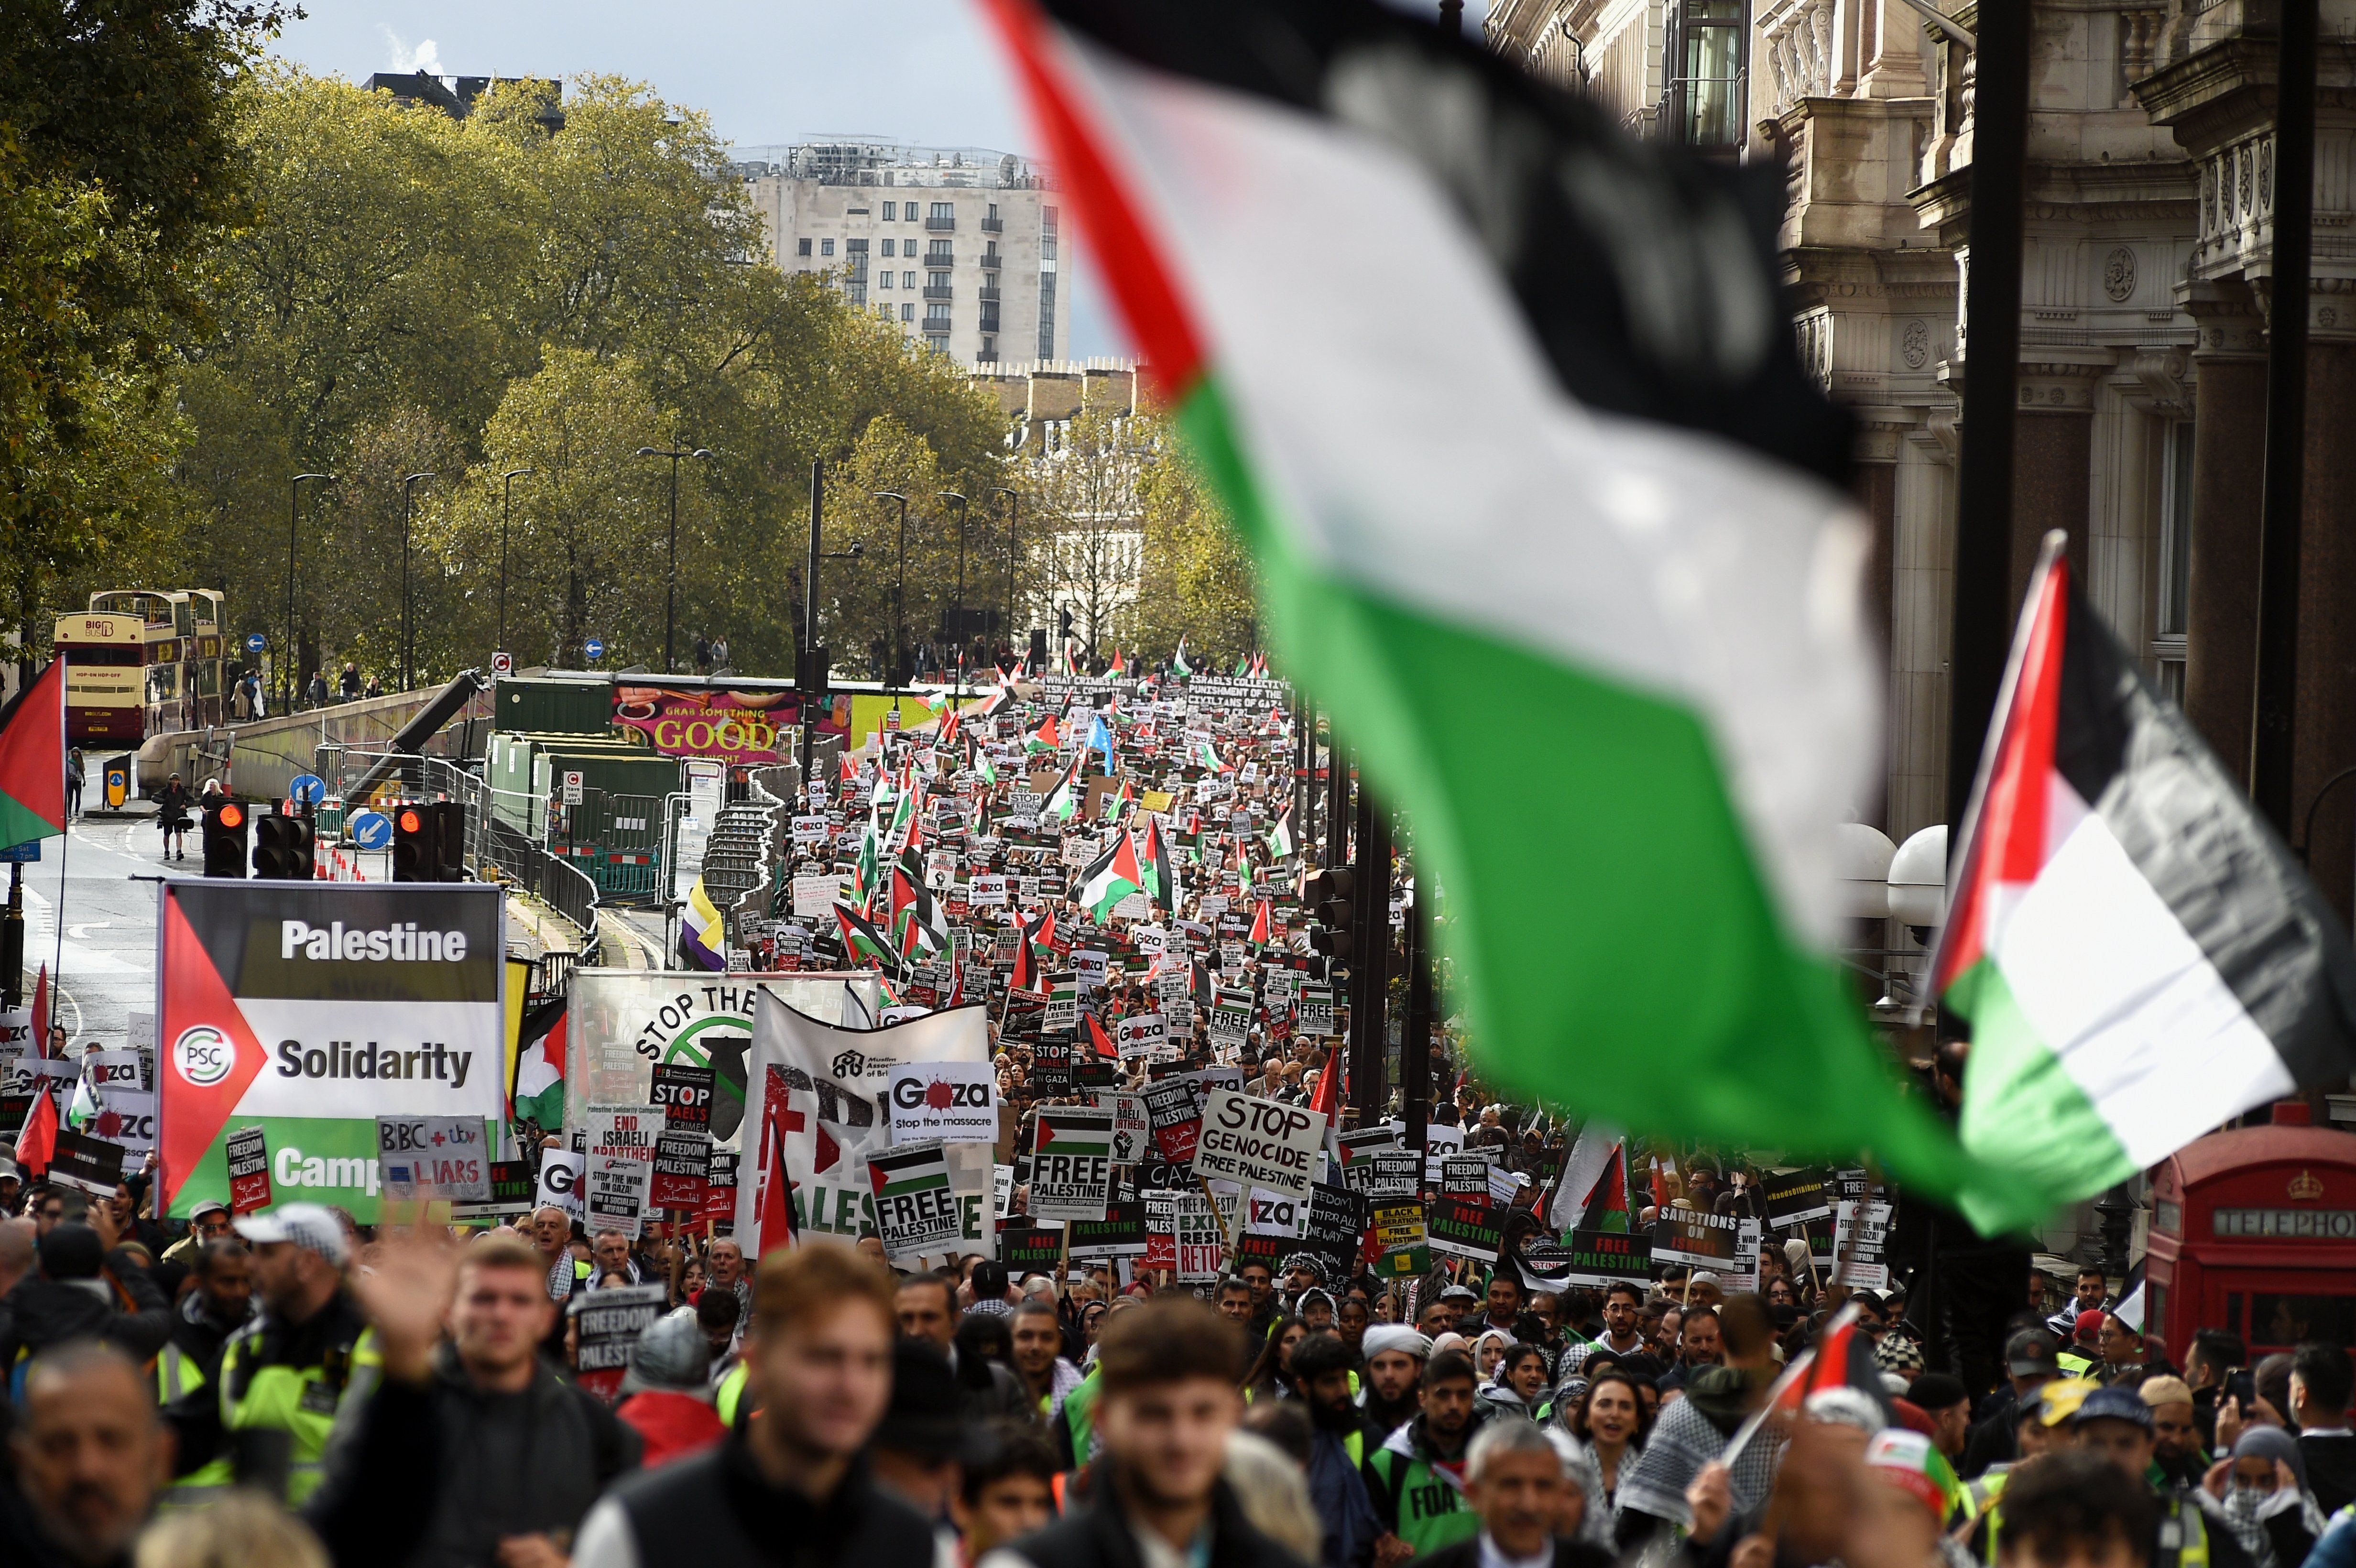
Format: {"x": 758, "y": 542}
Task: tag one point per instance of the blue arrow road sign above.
{"x": 370, "y": 829}
{"x": 255, "y": 642}
{"x": 594, "y": 648}
{"x": 308, "y": 788}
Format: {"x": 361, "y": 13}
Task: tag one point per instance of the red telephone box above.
{"x": 2254, "y": 1230}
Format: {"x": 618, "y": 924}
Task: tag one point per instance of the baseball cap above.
{"x": 2030, "y": 1353}
{"x": 2158, "y": 1391}
{"x": 308, "y": 1225}
{"x": 1460, "y": 1292}
{"x": 2058, "y": 1401}
{"x": 209, "y": 1206}
{"x": 1909, "y": 1461}
{"x": 2114, "y": 1404}
{"x": 2089, "y": 1323}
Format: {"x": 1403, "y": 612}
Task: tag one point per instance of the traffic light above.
{"x": 225, "y": 830}
{"x": 1327, "y": 895}
{"x": 282, "y": 847}
{"x": 416, "y": 856}
{"x": 449, "y": 840}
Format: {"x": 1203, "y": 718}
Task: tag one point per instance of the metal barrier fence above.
{"x": 617, "y": 840}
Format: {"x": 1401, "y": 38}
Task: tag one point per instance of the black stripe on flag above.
{"x": 1646, "y": 274}
{"x": 2191, "y": 832}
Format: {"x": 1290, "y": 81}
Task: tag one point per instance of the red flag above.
{"x": 1327, "y": 1101}
{"x": 37, "y": 1144}
{"x": 1099, "y": 1042}
{"x": 1260, "y": 922}
{"x": 41, "y": 1012}
{"x": 33, "y": 761}
{"x": 776, "y": 1210}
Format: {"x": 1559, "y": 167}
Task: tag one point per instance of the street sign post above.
{"x": 593, "y": 649}
{"x": 255, "y": 642}
{"x": 370, "y": 829}
{"x": 308, "y": 788}
{"x": 573, "y": 781}
{"x": 503, "y": 664}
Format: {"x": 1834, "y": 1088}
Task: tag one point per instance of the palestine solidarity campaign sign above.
{"x": 310, "y": 1010}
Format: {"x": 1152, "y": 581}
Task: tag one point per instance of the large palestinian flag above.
{"x": 2139, "y": 954}
{"x": 33, "y": 761}
{"x": 1111, "y": 877}
{"x": 1505, "y": 403}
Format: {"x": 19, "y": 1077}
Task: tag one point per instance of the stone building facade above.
{"x": 2143, "y": 336}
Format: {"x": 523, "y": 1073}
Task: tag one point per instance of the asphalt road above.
{"x": 103, "y": 961}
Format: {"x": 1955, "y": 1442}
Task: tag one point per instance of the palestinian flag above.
{"x": 539, "y": 1067}
{"x": 1843, "y": 1358}
{"x": 1111, "y": 877}
{"x": 33, "y": 761}
{"x": 1064, "y": 800}
{"x": 1100, "y": 1043}
{"x": 1206, "y": 755}
{"x": 1262, "y": 923}
{"x": 905, "y": 1174}
{"x": 1279, "y": 837}
{"x": 923, "y": 929}
{"x": 907, "y": 882}
{"x": 1119, "y": 665}
{"x": 1178, "y": 664}
{"x": 1077, "y": 1134}
{"x": 1658, "y": 554}
{"x": 1161, "y": 876}
{"x": 862, "y": 944}
{"x": 1032, "y": 935}
{"x": 1044, "y": 738}
{"x": 978, "y": 760}
{"x": 2139, "y": 954}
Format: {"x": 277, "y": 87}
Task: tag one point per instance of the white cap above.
{"x": 307, "y": 1225}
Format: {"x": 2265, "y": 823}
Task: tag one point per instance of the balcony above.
{"x": 939, "y": 224}
{"x": 993, "y": 226}
{"x": 991, "y": 260}
{"x": 990, "y": 294}
{"x": 989, "y": 321}
{"x": 940, "y": 292}
{"x": 939, "y": 259}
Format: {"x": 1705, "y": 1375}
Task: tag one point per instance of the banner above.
{"x": 823, "y": 1104}
{"x": 916, "y": 1210}
{"x": 750, "y": 727}
{"x": 311, "y": 1009}
{"x": 622, "y": 1021}
{"x": 1262, "y": 1143}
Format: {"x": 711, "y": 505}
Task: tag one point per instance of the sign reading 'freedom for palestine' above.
{"x": 311, "y": 1009}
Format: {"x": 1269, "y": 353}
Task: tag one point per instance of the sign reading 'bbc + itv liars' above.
{"x": 310, "y": 1011}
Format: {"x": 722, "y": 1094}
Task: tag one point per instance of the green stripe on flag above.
{"x": 21, "y": 825}
{"x": 2024, "y": 1110}
{"x": 1636, "y": 926}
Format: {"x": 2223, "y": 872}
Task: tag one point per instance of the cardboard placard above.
{"x": 85, "y": 1163}
{"x": 1027, "y": 1249}
{"x": 682, "y": 1092}
{"x": 1401, "y": 1239}
{"x": 1120, "y": 1234}
{"x": 432, "y": 1156}
{"x": 618, "y": 1191}
{"x": 1464, "y": 1217}
{"x": 1071, "y": 1164}
{"x": 560, "y": 1181}
{"x": 611, "y": 1321}
{"x": 916, "y": 1208}
{"x": 248, "y": 1170}
{"x": 1795, "y": 1197}
{"x": 1261, "y": 1143}
{"x": 681, "y": 1171}
{"x": 1175, "y": 1120}
{"x": 948, "y": 1102}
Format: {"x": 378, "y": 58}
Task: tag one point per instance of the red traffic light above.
{"x": 233, "y": 815}
{"x": 411, "y": 822}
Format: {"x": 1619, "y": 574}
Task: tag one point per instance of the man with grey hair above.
{"x": 1516, "y": 1481}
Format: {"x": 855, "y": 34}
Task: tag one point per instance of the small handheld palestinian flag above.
{"x": 862, "y": 944}
{"x": 1111, "y": 877}
{"x": 33, "y": 761}
{"x": 1044, "y": 738}
{"x": 1031, "y": 936}
{"x": 1262, "y": 924}
{"x": 1178, "y": 664}
{"x": 1161, "y": 876}
{"x": 1279, "y": 837}
{"x": 2139, "y": 956}
{"x": 978, "y": 760}
{"x": 1099, "y": 1042}
{"x": 1064, "y": 801}
{"x": 538, "y": 1089}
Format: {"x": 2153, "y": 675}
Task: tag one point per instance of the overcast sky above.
{"x": 768, "y": 71}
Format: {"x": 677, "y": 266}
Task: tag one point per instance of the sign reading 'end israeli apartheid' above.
{"x": 1259, "y": 1142}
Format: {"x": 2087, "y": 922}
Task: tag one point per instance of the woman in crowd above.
{"x": 1271, "y": 1375}
{"x": 1610, "y": 1420}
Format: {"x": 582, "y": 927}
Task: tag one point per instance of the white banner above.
{"x": 821, "y": 1102}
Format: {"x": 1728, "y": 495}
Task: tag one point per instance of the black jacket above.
{"x": 200, "y": 1337}
{"x": 1566, "y": 1554}
{"x": 1099, "y": 1536}
{"x": 516, "y": 1464}
{"x": 2331, "y": 1470}
{"x": 121, "y": 1307}
{"x": 717, "y": 1510}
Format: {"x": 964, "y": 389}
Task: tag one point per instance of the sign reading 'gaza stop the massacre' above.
{"x": 309, "y": 1010}
{"x": 1258, "y": 1143}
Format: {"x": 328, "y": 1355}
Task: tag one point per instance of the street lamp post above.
{"x": 671, "y": 584}
{"x": 1014, "y": 516}
{"x": 293, "y": 514}
{"x": 506, "y": 496}
{"x": 899, "y": 588}
{"x": 807, "y": 674}
{"x": 408, "y": 527}
{"x": 958, "y": 613}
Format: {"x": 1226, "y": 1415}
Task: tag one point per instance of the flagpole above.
{"x": 58, "y": 959}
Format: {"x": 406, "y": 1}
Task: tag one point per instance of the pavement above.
{"x": 103, "y": 960}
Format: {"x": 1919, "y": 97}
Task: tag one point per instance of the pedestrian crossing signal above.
{"x": 224, "y": 839}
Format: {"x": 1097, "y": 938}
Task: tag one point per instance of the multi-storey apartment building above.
{"x": 956, "y": 245}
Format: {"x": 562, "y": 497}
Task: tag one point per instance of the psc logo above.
{"x": 203, "y": 1055}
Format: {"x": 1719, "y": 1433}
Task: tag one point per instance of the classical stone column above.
{"x": 2054, "y": 459}
{"x": 2229, "y": 443}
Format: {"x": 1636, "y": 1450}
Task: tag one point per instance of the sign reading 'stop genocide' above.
{"x": 1259, "y": 1142}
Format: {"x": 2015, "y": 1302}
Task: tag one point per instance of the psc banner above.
{"x": 310, "y": 1010}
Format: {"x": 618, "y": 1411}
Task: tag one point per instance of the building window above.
{"x": 907, "y": 312}
{"x": 1047, "y": 216}
{"x": 989, "y": 350}
{"x": 2173, "y": 620}
{"x": 938, "y": 254}
{"x": 1047, "y": 314}
{"x": 884, "y": 279}
{"x": 805, "y": 247}
{"x": 943, "y": 216}
{"x": 888, "y": 244}
{"x": 1706, "y": 95}
{"x": 825, "y": 247}
{"x": 891, "y": 214}
{"x": 907, "y": 280}
{"x": 937, "y": 318}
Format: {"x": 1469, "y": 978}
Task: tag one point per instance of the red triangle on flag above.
{"x": 200, "y": 1018}
{"x": 33, "y": 761}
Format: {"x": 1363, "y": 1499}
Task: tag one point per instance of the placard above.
{"x": 1401, "y": 1239}
{"x": 512, "y": 1184}
{"x": 1858, "y": 1252}
{"x": 1337, "y": 1227}
{"x": 612, "y": 1320}
{"x": 1120, "y": 1234}
{"x": 916, "y": 1210}
{"x": 85, "y": 1163}
{"x": 1603, "y": 1258}
{"x": 1071, "y": 1164}
{"x": 1795, "y": 1197}
{"x": 720, "y": 1192}
{"x": 987, "y": 891}
{"x": 816, "y": 894}
{"x": 623, "y": 1132}
{"x": 1028, "y": 1249}
{"x": 248, "y": 1170}
{"x": 1723, "y": 1243}
{"x": 1173, "y": 1117}
{"x": 1261, "y": 1143}
{"x": 683, "y": 1169}
{"x": 1140, "y": 1034}
{"x": 432, "y": 1156}
{"x": 1063, "y": 1014}
{"x": 617, "y": 1194}
{"x": 1464, "y": 1217}
{"x": 1131, "y": 1128}
{"x": 1385, "y": 1174}
{"x": 682, "y": 1092}
{"x": 948, "y": 1102}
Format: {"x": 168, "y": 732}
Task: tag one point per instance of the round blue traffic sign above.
{"x": 308, "y": 788}
{"x": 594, "y": 647}
{"x": 255, "y": 642}
{"x": 370, "y": 829}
